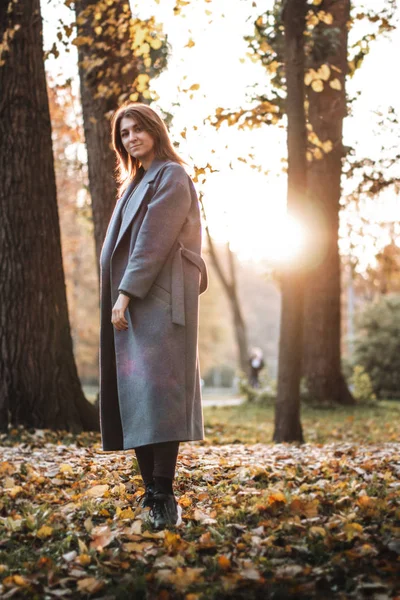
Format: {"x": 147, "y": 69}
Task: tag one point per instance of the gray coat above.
{"x": 149, "y": 373}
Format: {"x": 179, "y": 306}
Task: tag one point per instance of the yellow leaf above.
{"x": 276, "y": 497}
{"x": 190, "y": 43}
{"x": 98, "y": 30}
{"x": 318, "y": 531}
{"x": 310, "y": 76}
{"x": 142, "y": 78}
{"x": 183, "y": 134}
{"x": 314, "y": 139}
{"x": 134, "y": 96}
{"x": 142, "y": 49}
{"x": 317, "y": 2}
{"x": 80, "y": 40}
{"x": 324, "y": 72}
{"x": 185, "y": 501}
{"x": 19, "y": 580}
{"x": 65, "y": 468}
{"x": 14, "y": 491}
{"x": 352, "y": 530}
{"x": 195, "y": 86}
{"x": 317, "y": 85}
{"x": 335, "y": 84}
{"x": 325, "y": 17}
{"x": 155, "y": 43}
{"x": 44, "y": 532}
{"x": 318, "y": 154}
{"x": 327, "y": 146}
{"x": 312, "y": 20}
{"x": 309, "y": 156}
{"x": 127, "y": 513}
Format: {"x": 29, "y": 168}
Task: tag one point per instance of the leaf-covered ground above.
{"x": 259, "y": 520}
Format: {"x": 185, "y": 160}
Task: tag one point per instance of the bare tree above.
{"x": 229, "y": 284}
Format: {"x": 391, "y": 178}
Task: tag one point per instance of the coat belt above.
{"x": 178, "y": 284}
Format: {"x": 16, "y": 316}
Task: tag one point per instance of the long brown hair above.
{"x": 128, "y": 166}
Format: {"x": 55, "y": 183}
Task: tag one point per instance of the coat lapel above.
{"x": 138, "y": 197}
{"x": 115, "y": 222}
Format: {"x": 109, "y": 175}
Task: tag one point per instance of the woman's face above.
{"x": 137, "y": 142}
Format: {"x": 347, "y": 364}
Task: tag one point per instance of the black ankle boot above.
{"x": 165, "y": 511}
{"x": 146, "y": 499}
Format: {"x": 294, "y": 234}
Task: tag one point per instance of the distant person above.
{"x": 256, "y": 362}
{"x": 151, "y": 275}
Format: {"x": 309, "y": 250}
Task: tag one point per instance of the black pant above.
{"x": 157, "y": 460}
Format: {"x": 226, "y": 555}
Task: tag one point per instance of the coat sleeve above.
{"x": 165, "y": 216}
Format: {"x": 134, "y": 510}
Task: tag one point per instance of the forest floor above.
{"x": 260, "y": 520}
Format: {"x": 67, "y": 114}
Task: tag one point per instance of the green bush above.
{"x": 362, "y": 389}
{"x": 377, "y": 345}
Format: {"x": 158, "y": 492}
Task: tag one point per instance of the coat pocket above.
{"x": 158, "y": 292}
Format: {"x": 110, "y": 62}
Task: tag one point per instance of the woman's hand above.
{"x": 118, "y": 312}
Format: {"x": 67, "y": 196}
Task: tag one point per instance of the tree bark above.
{"x": 287, "y": 410}
{"x": 230, "y": 287}
{"x": 322, "y": 324}
{"x": 39, "y": 384}
{"x": 108, "y": 69}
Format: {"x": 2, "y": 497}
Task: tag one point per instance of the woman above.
{"x": 151, "y": 274}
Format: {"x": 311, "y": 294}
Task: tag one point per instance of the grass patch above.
{"x": 251, "y": 424}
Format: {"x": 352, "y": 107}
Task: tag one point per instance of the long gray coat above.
{"x": 149, "y": 373}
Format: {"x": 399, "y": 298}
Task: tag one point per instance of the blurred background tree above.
{"x": 377, "y": 345}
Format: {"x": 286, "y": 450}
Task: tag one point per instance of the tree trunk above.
{"x": 39, "y": 384}
{"x": 322, "y": 364}
{"x": 108, "y": 68}
{"x": 287, "y": 412}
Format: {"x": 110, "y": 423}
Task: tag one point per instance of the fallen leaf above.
{"x": 44, "y": 532}
{"x": 224, "y": 562}
{"x": 90, "y": 585}
{"x": 101, "y": 537}
{"x": 97, "y": 491}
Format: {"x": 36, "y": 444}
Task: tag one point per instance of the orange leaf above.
{"x": 224, "y": 562}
